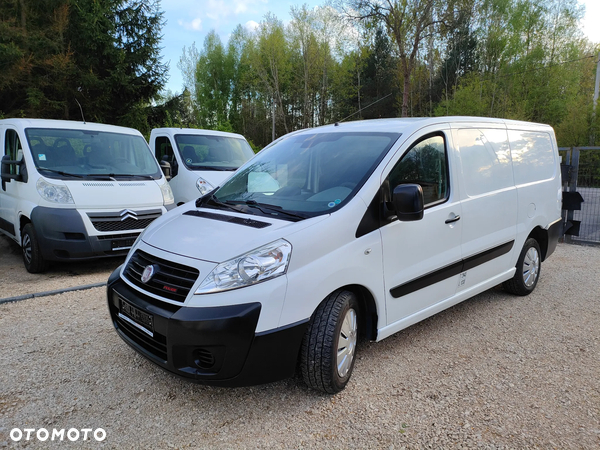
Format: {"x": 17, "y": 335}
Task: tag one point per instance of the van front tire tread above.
{"x": 318, "y": 355}
{"x": 32, "y": 256}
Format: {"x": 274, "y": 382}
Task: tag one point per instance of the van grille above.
{"x": 171, "y": 280}
{"x": 124, "y": 220}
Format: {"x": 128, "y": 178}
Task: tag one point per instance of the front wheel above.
{"x": 329, "y": 346}
{"x": 528, "y": 270}
{"x": 32, "y": 257}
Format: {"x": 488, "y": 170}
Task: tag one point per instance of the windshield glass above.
{"x": 62, "y": 154}
{"x": 207, "y": 152}
{"x": 306, "y": 174}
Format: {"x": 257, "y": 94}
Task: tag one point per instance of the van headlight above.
{"x": 261, "y": 264}
{"x": 53, "y": 192}
{"x": 167, "y": 194}
{"x": 203, "y": 186}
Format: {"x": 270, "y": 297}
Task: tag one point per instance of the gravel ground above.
{"x": 496, "y": 371}
{"x": 16, "y": 281}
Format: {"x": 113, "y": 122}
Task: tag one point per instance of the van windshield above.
{"x": 64, "y": 154}
{"x": 304, "y": 175}
{"x": 208, "y": 152}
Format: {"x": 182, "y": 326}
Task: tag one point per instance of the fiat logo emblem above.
{"x": 148, "y": 273}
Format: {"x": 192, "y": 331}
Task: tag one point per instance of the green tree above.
{"x": 103, "y": 54}
{"x": 214, "y": 77}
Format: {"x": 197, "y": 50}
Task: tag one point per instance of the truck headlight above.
{"x": 53, "y": 192}
{"x": 263, "y": 263}
{"x": 167, "y": 194}
{"x": 203, "y": 186}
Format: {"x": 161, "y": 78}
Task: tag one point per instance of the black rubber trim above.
{"x": 232, "y": 219}
{"x": 7, "y": 226}
{"x": 555, "y": 231}
{"x": 451, "y": 270}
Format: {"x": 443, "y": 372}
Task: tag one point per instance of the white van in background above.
{"x": 76, "y": 190}
{"x": 353, "y": 229}
{"x": 199, "y": 160}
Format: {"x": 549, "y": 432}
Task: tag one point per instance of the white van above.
{"x": 76, "y": 190}
{"x": 330, "y": 234}
{"x": 197, "y": 161}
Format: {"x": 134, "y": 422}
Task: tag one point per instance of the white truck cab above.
{"x": 197, "y": 161}
{"x": 76, "y": 190}
{"x": 350, "y": 230}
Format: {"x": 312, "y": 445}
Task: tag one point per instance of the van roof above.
{"x": 197, "y": 131}
{"x": 67, "y": 124}
{"x": 407, "y": 125}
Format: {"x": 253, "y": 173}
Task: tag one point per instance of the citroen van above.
{"x": 197, "y": 161}
{"x": 335, "y": 234}
{"x": 76, "y": 190}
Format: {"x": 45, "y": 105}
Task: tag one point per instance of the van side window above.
{"x": 163, "y": 149}
{"x": 485, "y": 160}
{"x": 424, "y": 164}
{"x": 13, "y": 148}
{"x": 532, "y": 156}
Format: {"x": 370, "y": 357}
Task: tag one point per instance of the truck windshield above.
{"x": 208, "y": 152}
{"x": 65, "y": 154}
{"x": 305, "y": 175}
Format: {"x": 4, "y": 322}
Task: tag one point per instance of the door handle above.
{"x": 454, "y": 219}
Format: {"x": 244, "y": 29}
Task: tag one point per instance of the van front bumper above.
{"x": 213, "y": 345}
{"x": 62, "y": 236}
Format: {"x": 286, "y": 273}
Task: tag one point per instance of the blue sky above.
{"x": 189, "y": 21}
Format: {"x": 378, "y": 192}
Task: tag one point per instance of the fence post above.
{"x": 573, "y": 185}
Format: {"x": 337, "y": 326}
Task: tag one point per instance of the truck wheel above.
{"x": 32, "y": 257}
{"x": 329, "y": 346}
{"x": 528, "y": 270}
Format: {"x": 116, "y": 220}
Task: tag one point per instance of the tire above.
{"x": 329, "y": 347}
{"x": 528, "y": 270}
{"x": 32, "y": 257}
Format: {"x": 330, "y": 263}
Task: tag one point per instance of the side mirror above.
{"x": 407, "y": 201}
{"x": 165, "y": 166}
{"x": 6, "y": 165}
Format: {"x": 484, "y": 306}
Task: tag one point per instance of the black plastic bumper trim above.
{"x": 240, "y": 356}
{"x": 451, "y": 270}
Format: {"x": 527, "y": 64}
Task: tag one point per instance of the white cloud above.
{"x": 194, "y": 25}
{"x": 251, "y": 25}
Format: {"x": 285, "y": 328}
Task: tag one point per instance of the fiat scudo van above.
{"x": 197, "y": 161}
{"x": 329, "y": 235}
{"x": 76, "y": 190}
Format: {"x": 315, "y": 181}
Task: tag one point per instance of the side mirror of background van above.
{"x": 165, "y": 166}
{"x": 5, "y": 170}
{"x": 407, "y": 200}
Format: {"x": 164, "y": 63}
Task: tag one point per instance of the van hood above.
{"x": 216, "y": 235}
{"x": 115, "y": 194}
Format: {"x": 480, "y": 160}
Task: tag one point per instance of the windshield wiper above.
{"x": 60, "y": 172}
{"x": 220, "y": 169}
{"x": 212, "y": 200}
{"x": 112, "y": 176}
{"x": 276, "y": 210}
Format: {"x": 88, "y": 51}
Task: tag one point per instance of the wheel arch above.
{"x": 23, "y": 220}
{"x": 368, "y": 315}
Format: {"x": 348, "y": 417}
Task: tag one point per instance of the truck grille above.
{"x": 170, "y": 280}
{"x": 124, "y": 220}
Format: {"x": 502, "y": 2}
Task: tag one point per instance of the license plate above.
{"x": 141, "y": 319}
{"x": 122, "y": 244}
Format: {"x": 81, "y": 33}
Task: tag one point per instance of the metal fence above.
{"x": 581, "y": 194}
